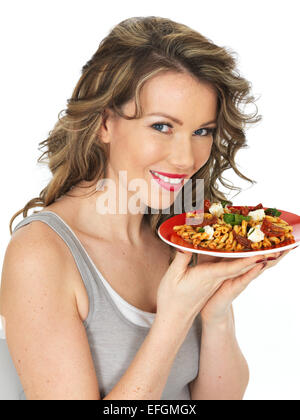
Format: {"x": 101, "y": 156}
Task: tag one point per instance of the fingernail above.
{"x": 271, "y": 258}
{"x": 259, "y": 261}
{"x": 264, "y": 265}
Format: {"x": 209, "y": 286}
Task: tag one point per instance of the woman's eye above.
{"x": 206, "y": 131}
{"x": 160, "y": 125}
{"x": 202, "y": 132}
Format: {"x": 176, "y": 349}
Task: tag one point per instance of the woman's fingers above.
{"x": 230, "y": 268}
{"x": 269, "y": 257}
{"x": 236, "y": 266}
{"x": 243, "y": 280}
{"x": 270, "y": 262}
{"x": 203, "y": 258}
{"x": 240, "y": 284}
{"x": 249, "y": 263}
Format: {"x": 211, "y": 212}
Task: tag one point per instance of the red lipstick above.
{"x": 171, "y": 175}
{"x": 166, "y": 185}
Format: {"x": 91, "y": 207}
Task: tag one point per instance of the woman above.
{"x": 95, "y": 304}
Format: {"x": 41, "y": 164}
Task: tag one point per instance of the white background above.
{"x": 43, "y": 48}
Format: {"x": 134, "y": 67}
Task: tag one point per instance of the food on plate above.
{"x": 246, "y": 228}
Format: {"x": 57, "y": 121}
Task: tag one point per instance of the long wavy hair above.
{"x": 135, "y": 50}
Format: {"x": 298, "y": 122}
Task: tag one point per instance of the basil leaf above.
{"x": 238, "y": 219}
{"x": 200, "y": 229}
{"x": 273, "y": 212}
{"x": 224, "y": 202}
{"x": 235, "y": 218}
{"x": 229, "y": 218}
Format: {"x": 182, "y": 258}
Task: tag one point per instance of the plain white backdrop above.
{"x": 43, "y": 48}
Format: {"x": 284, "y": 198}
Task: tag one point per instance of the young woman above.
{"x": 95, "y": 304}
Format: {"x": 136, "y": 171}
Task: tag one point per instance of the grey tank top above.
{"x": 113, "y": 339}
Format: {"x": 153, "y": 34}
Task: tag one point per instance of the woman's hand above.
{"x": 184, "y": 291}
{"x": 218, "y": 306}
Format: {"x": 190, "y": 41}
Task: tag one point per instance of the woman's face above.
{"x": 157, "y": 142}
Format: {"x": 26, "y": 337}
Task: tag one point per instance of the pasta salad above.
{"x": 230, "y": 229}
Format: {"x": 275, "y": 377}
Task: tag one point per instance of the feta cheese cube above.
{"x": 216, "y": 209}
{"x": 255, "y": 234}
{"x": 209, "y": 230}
{"x": 257, "y": 215}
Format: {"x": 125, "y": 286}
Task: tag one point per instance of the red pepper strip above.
{"x": 245, "y": 210}
{"x": 206, "y": 206}
{"x": 242, "y": 240}
{"x": 269, "y": 229}
{"x": 207, "y": 222}
{"x": 233, "y": 210}
{"x": 259, "y": 206}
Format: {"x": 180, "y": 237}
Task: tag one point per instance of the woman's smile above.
{"x": 171, "y": 183}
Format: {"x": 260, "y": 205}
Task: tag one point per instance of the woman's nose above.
{"x": 181, "y": 155}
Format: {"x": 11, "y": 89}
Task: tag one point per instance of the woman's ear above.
{"x": 105, "y": 130}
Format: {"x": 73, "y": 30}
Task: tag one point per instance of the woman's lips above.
{"x": 167, "y": 185}
{"x": 171, "y": 175}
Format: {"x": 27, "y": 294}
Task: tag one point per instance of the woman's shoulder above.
{"x": 36, "y": 254}
{"x": 36, "y": 267}
{"x": 38, "y": 234}
{"x": 34, "y": 238}
{"x": 33, "y": 243}
{"x": 33, "y": 255}
{"x": 38, "y": 305}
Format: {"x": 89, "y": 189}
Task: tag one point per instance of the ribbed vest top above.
{"x": 113, "y": 337}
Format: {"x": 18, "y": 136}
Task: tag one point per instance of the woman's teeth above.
{"x": 169, "y": 180}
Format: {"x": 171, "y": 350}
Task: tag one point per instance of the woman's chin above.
{"x": 161, "y": 204}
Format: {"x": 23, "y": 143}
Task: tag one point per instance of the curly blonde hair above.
{"x": 135, "y": 50}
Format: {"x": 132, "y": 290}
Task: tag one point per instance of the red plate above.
{"x": 167, "y": 234}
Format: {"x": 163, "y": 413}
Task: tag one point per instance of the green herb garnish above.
{"x": 200, "y": 229}
{"x": 224, "y": 202}
{"x": 235, "y": 219}
{"x": 228, "y": 218}
{"x": 273, "y": 212}
{"x": 251, "y": 231}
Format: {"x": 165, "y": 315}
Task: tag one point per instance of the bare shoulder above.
{"x": 34, "y": 232}
{"x": 44, "y": 332}
{"x": 32, "y": 256}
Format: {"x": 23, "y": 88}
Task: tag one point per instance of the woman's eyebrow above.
{"x": 176, "y": 120}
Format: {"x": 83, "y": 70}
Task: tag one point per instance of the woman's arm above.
{"x": 47, "y": 339}
{"x": 223, "y": 371}
{"x": 146, "y": 377}
{"x": 44, "y": 332}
